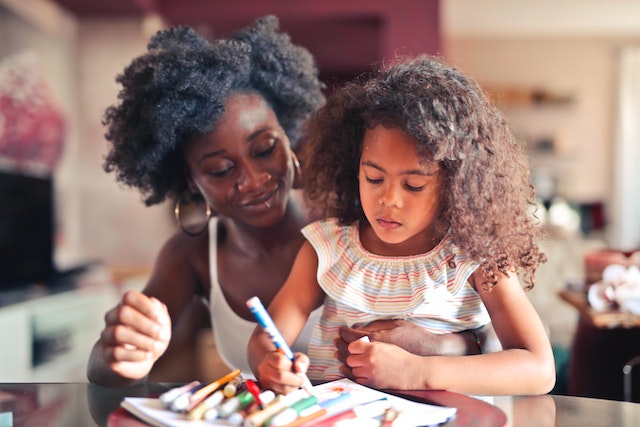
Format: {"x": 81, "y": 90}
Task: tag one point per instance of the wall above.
{"x": 583, "y": 128}
{"x": 115, "y": 226}
{"x": 563, "y": 40}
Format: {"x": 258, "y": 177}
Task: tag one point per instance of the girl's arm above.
{"x": 525, "y": 366}
{"x": 290, "y": 308}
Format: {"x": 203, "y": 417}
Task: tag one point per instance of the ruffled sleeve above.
{"x": 432, "y": 284}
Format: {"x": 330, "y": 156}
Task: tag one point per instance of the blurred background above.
{"x": 566, "y": 73}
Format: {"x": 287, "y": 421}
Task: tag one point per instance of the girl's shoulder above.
{"x": 327, "y": 229}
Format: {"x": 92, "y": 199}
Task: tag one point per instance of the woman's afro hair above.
{"x": 177, "y": 89}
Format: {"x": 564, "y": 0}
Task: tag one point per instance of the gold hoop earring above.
{"x": 297, "y": 171}
{"x": 192, "y": 216}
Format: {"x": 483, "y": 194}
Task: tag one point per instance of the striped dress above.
{"x": 430, "y": 289}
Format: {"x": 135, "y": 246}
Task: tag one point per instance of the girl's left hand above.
{"x": 375, "y": 364}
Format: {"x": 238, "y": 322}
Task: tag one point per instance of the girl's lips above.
{"x": 388, "y": 223}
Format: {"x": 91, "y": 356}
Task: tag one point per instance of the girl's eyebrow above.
{"x": 420, "y": 172}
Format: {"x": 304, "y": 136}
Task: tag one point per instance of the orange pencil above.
{"x": 307, "y": 417}
{"x": 210, "y": 388}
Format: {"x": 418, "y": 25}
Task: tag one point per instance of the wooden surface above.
{"x": 602, "y": 319}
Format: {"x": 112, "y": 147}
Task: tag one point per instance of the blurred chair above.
{"x": 627, "y": 372}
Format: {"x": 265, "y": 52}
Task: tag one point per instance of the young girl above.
{"x": 430, "y": 220}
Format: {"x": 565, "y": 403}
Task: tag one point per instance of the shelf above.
{"x": 601, "y": 319}
{"x": 51, "y": 336}
{"x": 515, "y": 96}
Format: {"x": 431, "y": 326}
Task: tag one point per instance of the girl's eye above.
{"x": 373, "y": 181}
{"x": 412, "y": 188}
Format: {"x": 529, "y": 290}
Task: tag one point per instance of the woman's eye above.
{"x": 373, "y": 181}
{"x": 267, "y": 152}
{"x": 221, "y": 173}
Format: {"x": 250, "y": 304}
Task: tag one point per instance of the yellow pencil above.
{"x": 210, "y": 388}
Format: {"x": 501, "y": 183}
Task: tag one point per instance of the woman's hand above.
{"x": 276, "y": 372}
{"x": 404, "y": 334}
{"x": 137, "y": 333}
{"x": 417, "y": 340}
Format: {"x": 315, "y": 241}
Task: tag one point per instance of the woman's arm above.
{"x": 290, "y": 308}
{"x": 418, "y": 340}
{"x": 139, "y": 329}
{"x": 525, "y": 366}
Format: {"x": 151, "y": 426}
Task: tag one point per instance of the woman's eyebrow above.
{"x": 210, "y": 154}
{"x": 220, "y": 152}
{"x": 258, "y": 132}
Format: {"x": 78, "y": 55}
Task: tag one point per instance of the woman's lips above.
{"x": 264, "y": 201}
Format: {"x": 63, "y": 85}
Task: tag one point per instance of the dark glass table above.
{"x": 87, "y": 405}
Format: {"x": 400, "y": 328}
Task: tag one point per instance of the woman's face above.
{"x": 243, "y": 167}
{"x": 400, "y": 196}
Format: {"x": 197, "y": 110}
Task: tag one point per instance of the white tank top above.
{"x": 230, "y": 331}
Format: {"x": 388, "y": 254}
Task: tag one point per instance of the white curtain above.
{"x": 625, "y": 215}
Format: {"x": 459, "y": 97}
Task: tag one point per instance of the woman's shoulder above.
{"x": 183, "y": 245}
{"x": 184, "y": 255}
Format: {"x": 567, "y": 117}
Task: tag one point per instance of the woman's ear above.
{"x": 191, "y": 185}
{"x": 297, "y": 171}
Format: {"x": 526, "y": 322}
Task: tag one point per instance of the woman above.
{"x": 214, "y": 122}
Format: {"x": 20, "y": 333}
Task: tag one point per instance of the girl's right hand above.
{"x": 137, "y": 333}
{"x": 276, "y": 372}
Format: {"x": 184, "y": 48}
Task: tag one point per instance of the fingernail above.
{"x": 164, "y": 335}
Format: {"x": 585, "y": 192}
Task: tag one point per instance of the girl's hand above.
{"x": 375, "y": 364}
{"x": 276, "y": 372}
{"x": 137, "y": 333}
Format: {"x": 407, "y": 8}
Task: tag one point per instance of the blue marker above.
{"x": 263, "y": 318}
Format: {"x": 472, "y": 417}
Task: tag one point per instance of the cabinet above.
{"x": 48, "y": 337}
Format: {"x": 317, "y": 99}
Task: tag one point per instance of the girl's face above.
{"x": 399, "y": 195}
{"x": 243, "y": 167}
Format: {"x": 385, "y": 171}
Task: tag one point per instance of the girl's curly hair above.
{"x": 177, "y": 90}
{"x": 487, "y": 197}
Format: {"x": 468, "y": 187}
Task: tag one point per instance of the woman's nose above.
{"x": 252, "y": 178}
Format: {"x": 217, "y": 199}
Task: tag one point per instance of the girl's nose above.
{"x": 391, "y": 197}
{"x": 252, "y": 178}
